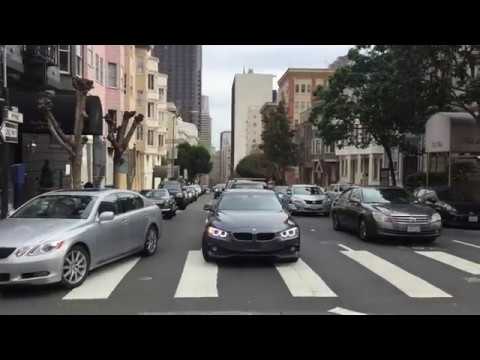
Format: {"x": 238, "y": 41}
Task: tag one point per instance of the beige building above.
{"x": 296, "y": 88}
{"x": 151, "y": 89}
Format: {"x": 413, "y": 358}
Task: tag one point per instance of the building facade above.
{"x": 225, "y": 155}
{"x": 296, "y": 88}
{"x": 183, "y": 65}
{"x": 250, "y": 92}
{"x": 205, "y": 128}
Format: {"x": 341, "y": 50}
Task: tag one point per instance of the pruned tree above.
{"x": 256, "y": 166}
{"x": 119, "y": 137}
{"x": 73, "y": 144}
{"x": 196, "y": 159}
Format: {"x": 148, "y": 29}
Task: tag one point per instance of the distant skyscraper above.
{"x": 225, "y": 155}
{"x": 205, "y": 128}
{"x": 183, "y": 65}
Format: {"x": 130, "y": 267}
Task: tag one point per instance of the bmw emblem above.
{"x": 254, "y": 230}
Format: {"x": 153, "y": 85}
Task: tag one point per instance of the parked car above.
{"x": 163, "y": 199}
{"x": 234, "y": 183}
{"x": 193, "y": 191}
{"x": 60, "y": 236}
{"x": 217, "y": 190}
{"x": 309, "y": 199}
{"x": 199, "y": 189}
{"x": 384, "y": 212}
{"x": 458, "y": 209}
{"x": 175, "y": 189}
{"x": 247, "y": 184}
{"x": 283, "y": 194}
{"x": 334, "y": 190}
{"x": 250, "y": 223}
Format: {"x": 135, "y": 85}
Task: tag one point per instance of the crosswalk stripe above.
{"x": 302, "y": 281}
{"x": 453, "y": 261}
{"x": 409, "y": 284}
{"x": 466, "y": 243}
{"x": 101, "y": 283}
{"x": 342, "y": 311}
{"x": 199, "y": 278}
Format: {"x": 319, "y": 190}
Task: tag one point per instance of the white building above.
{"x": 249, "y": 92}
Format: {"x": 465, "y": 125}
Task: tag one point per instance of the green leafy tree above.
{"x": 196, "y": 159}
{"x": 255, "y": 166}
{"x": 381, "y": 96}
{"x": 277, "y": 137}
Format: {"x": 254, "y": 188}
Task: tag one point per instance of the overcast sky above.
{"x": 222, "y": 62}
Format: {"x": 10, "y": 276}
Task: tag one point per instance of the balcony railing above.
{"x": 41, "y": 54}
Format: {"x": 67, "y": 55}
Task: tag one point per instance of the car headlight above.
{"x": 380, "y": 217}
{"x": 289, "y": 234}
{"x": 179, "y": 195}
{"x": 217, "y": 233}
{"x": 436, "y": 218}
{"x": 40, "y": 249}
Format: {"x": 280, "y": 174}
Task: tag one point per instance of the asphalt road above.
{"x": 337, "y": 274}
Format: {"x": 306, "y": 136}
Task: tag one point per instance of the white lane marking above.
{"x": 342, "y": 311}
{"x": 409, "y": 284}
{"x": 345, "y": 247}
{"x": 466, "y": 243}
{"x": 302, "y": 281}
{"x": 453, "y": 261}
{"x": 101, "y": 283}
{"x": 199, "y": 278}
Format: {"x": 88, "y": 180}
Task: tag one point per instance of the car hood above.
{"x": 262, "y": 221}
{"x": 403, "y": 209}
{"x": 309, "y": 197}
{"x": 15, "y": 232}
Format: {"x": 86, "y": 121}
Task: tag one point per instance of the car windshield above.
{"x": 307, "y": 190}
{"x": 57, "y": 207}
{"x": 172, "y": 186}
{"x": 387, "y": 196}
{"x": 250, "y": 202}
{"x": 249, "y": 185}
{"x": 157, "y": 194}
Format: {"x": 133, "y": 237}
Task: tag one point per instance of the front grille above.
{"x": 265, "y": 236}
{"x": 415, "y": 219}
{"x": 316, "y": 202}
{"x": 5, "y": 252}
{"x": 4, "y": 277}
{"x": 243, "y": 236}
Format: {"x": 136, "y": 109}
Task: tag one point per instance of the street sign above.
{"x": 9, "y": 132}
{"x": 13, "y": 116}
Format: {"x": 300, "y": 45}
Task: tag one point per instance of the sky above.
{"x": 222, "y": 62}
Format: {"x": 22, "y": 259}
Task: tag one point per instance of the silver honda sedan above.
{"x": 60, "y": 236}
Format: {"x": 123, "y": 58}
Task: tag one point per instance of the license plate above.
{"x": 473, "y": 219}
{"x": 413, "y": 229}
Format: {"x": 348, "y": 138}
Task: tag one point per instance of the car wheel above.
{"x": 151, "y": 242}
{"x": 75, "y": 267}
{"x": 336, "y": 223}
{"x": 182, "y": 207}
{"x": 205, "y": 254}
{"x": 363, "y": 230}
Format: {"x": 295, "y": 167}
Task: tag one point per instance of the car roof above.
{"x": 298, "y": 185}
{"x": 249, "y": 191}
{"x": 88, "y": 192}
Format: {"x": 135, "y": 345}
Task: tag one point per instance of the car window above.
{"x": 307, "y": 190}
{"x": 249, "y": 202}
{"x": 345, "y": 195}
{"x": 387, "y": 196}
{"x": 110, "y": 203}
{"x": 137, "y": 202}
{"x": 356, "y": 195}
{"x": 57, "y": 207}
{"x": 127, "y": 202}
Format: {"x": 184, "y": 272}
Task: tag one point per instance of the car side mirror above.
{"x": 208, "y": 207}
{"x": 106, "y": 216}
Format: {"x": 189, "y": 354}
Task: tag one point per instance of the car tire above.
{"x": 205, "y": 254}
{"x": 151, "y": 242}
{"x": 74, "y": 256}
{"x": 363, "y": 230}
{"x": 336, "y": 222}
{"x": 182, "y": 207}
{"x": 292, "y": 259}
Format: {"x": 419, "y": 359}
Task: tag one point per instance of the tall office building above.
{"x": 205, "y": 128}
{"x": 183, "y": 65}
{"x": 250, "y": 92}
{"x": 225, "y": 155}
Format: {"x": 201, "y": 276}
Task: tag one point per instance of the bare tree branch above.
{"x": 45, "y": 106}
{"x": 127, "y": 115}
{"x": 111, "y": 132}
{"x": 137, "y": 120}
{"x": 57, "y": 136}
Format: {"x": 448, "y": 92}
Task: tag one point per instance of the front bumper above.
{"x": 312, "y": 209}
{"x": 432, "y": 230}
{"x": 44, "y": 269}
{"x": 278, "y": 249}
{"x": 462, "y": 221}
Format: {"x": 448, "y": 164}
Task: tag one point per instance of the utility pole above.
{"x": 5, "y": 148}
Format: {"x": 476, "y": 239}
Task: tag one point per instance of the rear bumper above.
{"x": 324, "y": 209}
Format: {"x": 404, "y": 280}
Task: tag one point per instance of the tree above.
{"x": 73, "y": 144}
{"x": 278, "y": 145}
{"x": 381, "y": 96}
{"x": 255, "y": 166}
{"x": 120, "y": 137}
{"x": 196, "y": 159}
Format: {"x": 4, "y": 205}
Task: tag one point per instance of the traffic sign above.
{"x": 9, "y": 132}
{"x": 13, "y": 116}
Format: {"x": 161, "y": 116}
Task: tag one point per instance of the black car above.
{"x": 217, "y": 190}
{"x": 457, "y": 208}
{"x": 175, "y": 189}
{"x": 247, "y": 184}
{"x": 384, "y": 212}
{"x": 250, "y": 223}
{"x": 164, "y": 200}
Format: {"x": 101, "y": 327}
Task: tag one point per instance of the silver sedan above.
{"x": 60, "y": 236}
